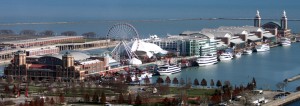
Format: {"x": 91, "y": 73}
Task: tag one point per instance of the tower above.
{"x": 68, "y": 60}
{"x": 20, "y": 58}
{"x": 257, "y": 19}
{"x": 284, "y": 21}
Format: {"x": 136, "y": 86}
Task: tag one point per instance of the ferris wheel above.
{"x": 123, "y": 34}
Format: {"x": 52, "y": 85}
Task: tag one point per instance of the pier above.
{"x": 293, "y": 78}
{"x": 288, "y": 99}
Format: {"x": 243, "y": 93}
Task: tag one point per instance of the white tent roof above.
{"x": 149, "y": 48}
{"x": 135, "y": 61}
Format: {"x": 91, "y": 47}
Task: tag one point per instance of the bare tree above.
{"x": 89, "y": 35}
{"x": 175, "y": 81}
{"x": 6, "y": 32}
{"x": 28, "y": 32}
{"x": 47, "y": 33}
{"x": 196, "y": 82}
{"x": 69, "y": 33}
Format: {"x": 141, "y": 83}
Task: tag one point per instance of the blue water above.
{"x": 297, "y": 103}
{"x": 98, "y": 15}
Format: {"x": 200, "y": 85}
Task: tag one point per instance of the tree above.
{"x": 6, "y": 32}
{"x": 69, "y": 33}
{"x": 128, "y": 79}
{"x": 47, "y": 33}
{"x": 89, "y": 35}
{"x": 175, "y": 81}
{"x": 203, "y": 83}
{"x": 166, "y": 102}
{"x": 168, "y": 80}
{"x": 95, "y": 97}
{"x": 212, "y": 83}
{"x": 9, "y": 79}
{"x": 61, "y": 98}
{"x": 28, "y": 32}
{"x": 121, "y": 98}
{"x": 159, "y": 80}
{"x": 182, "y": 82}
{"x": 196, "y": 82}
{"x": 86, "y": 98}
{"x": 52, "y": 101}
{"x": 254, "y": 82}
{"x": 219, "y": 84}
{"x": 138, "y": 100}
{"x": 41, "y": 102}
{"x": 129, "y": 101}
{"x": 103, "y": 98}
{"x": 147, "y": 80}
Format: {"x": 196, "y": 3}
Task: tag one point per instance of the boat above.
{"x": 238, "y": 55}
{"x": 247, "y": 52}
{"x": 207, "y": 59}
{"x": 262, "y": 48}
{"x": 168, "y": 69}
{"x": 285, "y": 42}
{"x": 225, "y": 56}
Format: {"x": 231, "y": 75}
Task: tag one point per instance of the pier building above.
{"x": 278, "y": 28}
{"x": 188, "y": 44}
{"x": 57, "y": 66}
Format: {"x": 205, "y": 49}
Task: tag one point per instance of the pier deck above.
{"x": 290, "y": 98}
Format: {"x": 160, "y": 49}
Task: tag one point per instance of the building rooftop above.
{"x": 38, "y": 39}
{"x": 78, "y": 56}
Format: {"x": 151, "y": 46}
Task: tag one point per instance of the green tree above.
{"x": 103, "y": 98}
{"x": 196, "y": 82}
{"x": 203, "y": 83}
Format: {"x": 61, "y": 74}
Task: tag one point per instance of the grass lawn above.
{"x": 192, "y": 92}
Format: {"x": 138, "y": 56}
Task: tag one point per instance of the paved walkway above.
{"x": 285, "y": 100}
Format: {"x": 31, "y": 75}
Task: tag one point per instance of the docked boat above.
{"x": 285, "y": 42}
{"x": 207, "y": 60}
{"x": 238, "y": 55}
{"x": 262, "y": 48}
{"x": 225, "y": 56}
{"x": 247, "y": 52}
{"x": 168, "y": 69}
{"x": 140, "y": 76}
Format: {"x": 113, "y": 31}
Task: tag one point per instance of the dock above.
{"x": 284, "y": 101}
{"x": 293, "y": 78}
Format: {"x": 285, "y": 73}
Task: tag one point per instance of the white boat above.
{"x": 285, "y": 42}
{"x": 168, "y": 69}
{"x": 146, "y": 74}
{"x": 140, "y": 76}
{"x": 238, "y": 55}
{"x": 262, "y": 48}
{"x": 247, "y": 52}
{"x": 207, "y": 60}
{"x": 225, "y": 56}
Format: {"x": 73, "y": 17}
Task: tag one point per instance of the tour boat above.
{"x": 168, "y": 69}
{"x": 285, "y": 42}
{"x": 262, "y": 48}
{"x": 207, "y": 60}
{"x": 247, "y": 52}
{"x": 225, "y": 56}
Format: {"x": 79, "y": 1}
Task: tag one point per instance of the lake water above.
{"x": 97, "y": 16}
